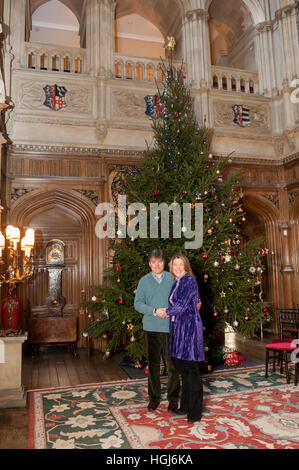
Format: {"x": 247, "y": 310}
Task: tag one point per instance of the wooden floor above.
{"x": 53, "y": 369}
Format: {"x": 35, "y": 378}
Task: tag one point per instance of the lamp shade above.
{"x": 30, "y": 237}
{"x": 2, "y": 241}
{"x": 12, "y": 233}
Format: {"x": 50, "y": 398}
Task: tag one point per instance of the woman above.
{"x": 186, "y": 335}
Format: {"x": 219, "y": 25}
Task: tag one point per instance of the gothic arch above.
{"x": 253, "y": 6}
{"x": 37, "y": 201}
{"x": 154, "y": 11}
{"x": 269, "y": 214}
{"x": 74, "y": 5}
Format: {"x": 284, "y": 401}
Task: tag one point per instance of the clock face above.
{"x": 55, "y": 254}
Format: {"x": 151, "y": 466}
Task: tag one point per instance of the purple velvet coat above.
{"x": 185, "y": 325}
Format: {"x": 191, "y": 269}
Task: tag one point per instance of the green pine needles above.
{"x": 179, "y": 168}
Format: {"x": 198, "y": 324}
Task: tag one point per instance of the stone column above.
{"x": 286, "y": 24}
{"x": 12, "y": 393}
{"x": 264, "y": 50}
{"x": 198, "y": 58}
{"x": 197, "y": 47}
{"x": 17, "y": 32}
{"x": 100, "y": 37}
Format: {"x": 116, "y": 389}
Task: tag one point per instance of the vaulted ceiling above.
{"x": 166, "y": 15}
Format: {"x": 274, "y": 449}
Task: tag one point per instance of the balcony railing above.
{"x": 234, "y": 80}
{"x": 55, "y": 58}
{"x": 137, "y": 68}
{"x": 73, "y": 60}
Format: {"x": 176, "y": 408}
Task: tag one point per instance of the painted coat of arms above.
{"x": 241, "y": 115}
{"x": 154, "y": 107}
{"x": 55, "y": 97}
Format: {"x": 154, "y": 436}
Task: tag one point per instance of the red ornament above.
{"x": 118, "y": 268}
{"x": 157, "y": 191}
{"x": 265, "y": 309}
{"x": 176, "y": 115}
{"x": 222, "y": 258}
{"x": 205, "y": 255}
{"x": 104, "y": 229}
{"x": 215, "y": 314}
{"x": 120, "y": 301}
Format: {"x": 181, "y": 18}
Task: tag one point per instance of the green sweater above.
{"x": 150, "y": 295}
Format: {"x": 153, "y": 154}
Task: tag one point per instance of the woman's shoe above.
{"x": 194, "y": 420}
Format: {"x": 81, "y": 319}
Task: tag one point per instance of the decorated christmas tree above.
{"x": 180, "y": 169}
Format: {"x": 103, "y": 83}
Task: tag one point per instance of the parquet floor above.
{"x": 53, "y": 369}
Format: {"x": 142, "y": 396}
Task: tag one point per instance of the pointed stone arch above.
{"x": 253, "y": 6}
{"x": 268, "y": 213}
{"x": 87, "y": 253}
{"x": 74, "y": 5}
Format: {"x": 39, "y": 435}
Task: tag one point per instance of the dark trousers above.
{"x": 192, "y": 389}
{"x": 155, "y": 344}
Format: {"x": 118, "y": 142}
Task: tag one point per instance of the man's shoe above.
{"x": 152, "y": 406}
{"x": 180, "y": 411}
{"x": 173, "y": 406}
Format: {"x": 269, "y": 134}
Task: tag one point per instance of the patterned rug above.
{"x": 242, "y": 410}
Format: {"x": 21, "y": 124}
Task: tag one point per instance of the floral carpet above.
{"x": 242, "y": 410}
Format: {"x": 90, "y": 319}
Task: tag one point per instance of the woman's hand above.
{"x": 199, "y": 304}
{"x": 161, "y": 312}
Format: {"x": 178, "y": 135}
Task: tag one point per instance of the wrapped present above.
{"x": 232, "y": 358}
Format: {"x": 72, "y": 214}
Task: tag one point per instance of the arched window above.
{"x": 54, "y": 23}
{"x": 231, "y": 35}
{"x": 135, "y": 35}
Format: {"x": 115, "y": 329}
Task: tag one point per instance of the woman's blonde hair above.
{"x": 184, "y": 258}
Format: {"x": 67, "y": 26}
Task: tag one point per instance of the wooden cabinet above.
{"x": 53, "y": 330}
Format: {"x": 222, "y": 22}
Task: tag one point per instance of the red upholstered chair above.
{"x": 288, "y": 322}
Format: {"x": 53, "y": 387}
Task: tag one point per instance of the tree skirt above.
{"x": 241, "y": 409}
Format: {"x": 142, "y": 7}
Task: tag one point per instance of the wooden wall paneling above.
{"x": 69, "y": 216}
{"x": 295, "y": 247}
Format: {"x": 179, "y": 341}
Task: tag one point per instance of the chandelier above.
{"x": 17, "y": 256}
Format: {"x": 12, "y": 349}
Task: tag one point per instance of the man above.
{"x": 152, "y": 294}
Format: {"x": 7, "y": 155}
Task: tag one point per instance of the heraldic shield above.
{"x": 55, "y": 97}
{"x": 241, "y": 113}
{"x": 154, "y": 107}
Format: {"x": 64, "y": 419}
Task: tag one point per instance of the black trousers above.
{"x": 192, "y": 389}
{"x": 155, "y": 344}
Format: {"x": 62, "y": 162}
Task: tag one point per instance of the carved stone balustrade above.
{"x": 235, "y": 80}
{"x": 55, "y": 58}
{"x": 129, "y": 67}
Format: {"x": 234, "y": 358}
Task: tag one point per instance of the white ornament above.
{"x": 93, "y": 298}
{"x": 235, "y": 323}
{"x": 216, "y": 264}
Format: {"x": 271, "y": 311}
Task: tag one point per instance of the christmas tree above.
{"x": 179, "y": 169}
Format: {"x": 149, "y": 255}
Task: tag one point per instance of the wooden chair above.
{"x": 288, "y": 321}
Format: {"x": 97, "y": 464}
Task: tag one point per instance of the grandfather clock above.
{"x": 54, "y": 328}
{"x": 55, "y": 264}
